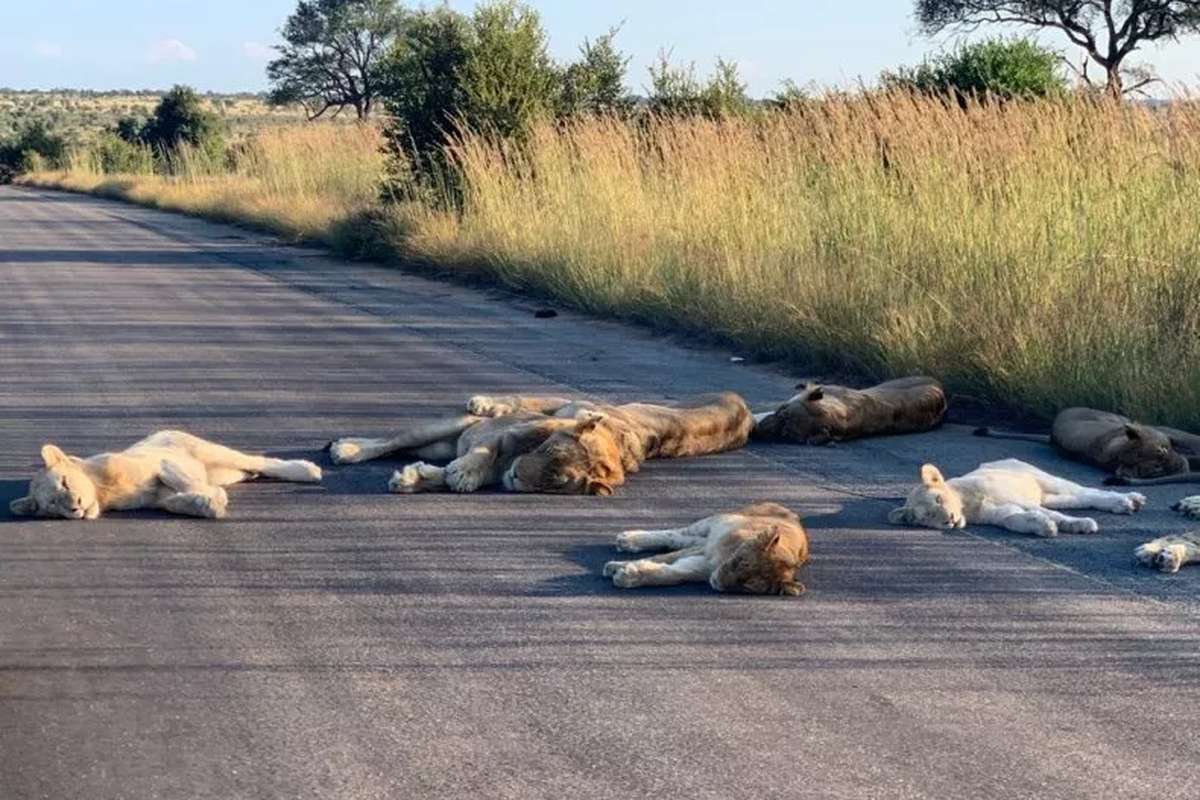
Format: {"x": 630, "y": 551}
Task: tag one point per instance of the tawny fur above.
{"x": 553, "y": 444}
{"x": 755, "y": 550}
{"x": 1169, "y": 553}
{"x": 169, "y": 470}
{"x": 1133, "y": 453}
{"x": 1009, "y": 494}
{"x": 822, "y": 414}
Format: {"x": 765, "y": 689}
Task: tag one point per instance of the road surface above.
{"x": 337, "y": 641}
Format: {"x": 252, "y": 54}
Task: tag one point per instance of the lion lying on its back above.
{"x": 552, "y": 444}
{"x": 824, "y": 414}
{"x": 1134, "y": 453}
{"x": 171, "y": 470}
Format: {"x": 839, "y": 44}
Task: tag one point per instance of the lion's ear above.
{"x": 901, "y": 516}
{"x": 1132, "y": 431}
{"x": 23, "y": 507}
{"x": 813, "y": 394}
{"x": 599, "y": 489}
{"x": 587, "y": 421}
{"x": 53, "y": 456}
{"x": 931, "y": 475}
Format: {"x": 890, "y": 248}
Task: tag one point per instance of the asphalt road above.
{"x": 337, "y": 641}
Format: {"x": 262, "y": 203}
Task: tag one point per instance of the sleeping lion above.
{"x": 171, "y": 470}
{"x": 553, "y": 444}
{"x": 756, "y": 550}
{"x": 823, "y": 414}
{"x": 1133, "y": 453}
{"x": 1169, "y": 553}
{"x": 1009, "y": 494}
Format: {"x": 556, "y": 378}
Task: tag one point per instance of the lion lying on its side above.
{"x": 756, "y": 550}
{"x": 1169, "y": 553}
{"x": 1010, "y": 494}
{"x": 824, "y": 414}
{"x": 551, "y": 444}
{"x": 1134, "y": 453}
{"x": 171, "y": 470}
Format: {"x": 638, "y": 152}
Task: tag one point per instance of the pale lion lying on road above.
{"x": 822, "y": 414}
{"x": 1169, "y": 553}
{"x": 552, "y": 444}
{"x": 171, "y": 470}
{"x": 755, "y": 550}
{"x": 1010, "y": 494}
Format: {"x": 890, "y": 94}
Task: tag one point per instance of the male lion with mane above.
{"x": 1134, "y": 454}
{"x": 1009, "y": 494}
{"x": 170, "y": 470}
{"x": 553, "y": 444}
{"x": 822, "y": 414}
{"x": 756, "y": 550}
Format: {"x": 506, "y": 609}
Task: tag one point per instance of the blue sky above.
{"x": 223, "y": 45}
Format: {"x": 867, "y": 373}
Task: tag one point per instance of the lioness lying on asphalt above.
{"x": 756, "y": 550}
{"x": 1169, "y": 553}
{"x": 171, "y": 470}
{"x": 1010, "y": 494}
{"x": 823, "y": 414}
{"x": 1134, "y": 453}
{"x": 552, "y": 444}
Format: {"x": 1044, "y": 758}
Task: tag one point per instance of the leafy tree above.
{"x": 180, "y": 118}
{"x": 595, "y": 84}
{"x": 675, "y": 90}
{"x": 34, "y": 145}
{"x": 1004, "y": 69}
{"x": 332, "y": 53}
{"x": 508, "y": 79}
{"x": 1107, "y": 30}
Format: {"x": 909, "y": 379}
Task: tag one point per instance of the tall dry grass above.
{"x": 1044, "y": 254}
{"x": 302, "y": 182}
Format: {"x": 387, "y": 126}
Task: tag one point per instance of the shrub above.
{"x": 999, "y": 68}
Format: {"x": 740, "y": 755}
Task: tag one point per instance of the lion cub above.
{"x": 171, "y": 470}
{"x": 1169, "y": 553}
{"x": 1009, "y": 494}
{"x": 756, "y": 550}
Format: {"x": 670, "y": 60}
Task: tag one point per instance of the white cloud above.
{"x": 48, "y": 50}
{"x": 256, "y": 50}
{"x": 169, "y": 50}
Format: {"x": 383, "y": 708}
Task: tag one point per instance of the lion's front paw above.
{"x": 346, "y": 451}
{"x": 482, "y": 405}
{"x": 1081, "y": 525}
{"x": 309, "y": 472}
{"x": 416, "y": 477}
{"x": 613, "y": 567}
{"x": 1134, "y": 501}
{"x": 1047, "y": 528}
{"x": 627, "y": 576}
{"x": 627, "y": 541}
{"x": 460, "y": 478}
{"x": 1189, "y": 507}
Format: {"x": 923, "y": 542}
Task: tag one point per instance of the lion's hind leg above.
{"x": 1078, "y": 496}
{"x": 194, "y": 496}
{"x": 1169, "y": 553}
{"x": 227, "y": 466}
{"x": 693, "y": 535}
{"x": 668, "y": 569}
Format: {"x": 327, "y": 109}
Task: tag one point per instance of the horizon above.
{"x": 223, "y": 48}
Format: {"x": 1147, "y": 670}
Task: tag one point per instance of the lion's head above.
{"x": 801, "y": 419}
{"x": 764, "y": 564}
{"x": 591, "y": 458}
{"x": 933, "y": 504}
{"x": 1147, "y": 453}
{"x": 62, "y": 489}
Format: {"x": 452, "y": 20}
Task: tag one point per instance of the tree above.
{"x": 181, "y": 119}
{"x": 332, "y": 53}
{"x": 675, "y": 91}
{"x": 1107, "y": 30}
{"x": 595, "y": 84}
{"x": 1003, "y": 69}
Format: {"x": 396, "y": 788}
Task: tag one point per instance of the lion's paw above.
{"x": 613, "y": 567}
{"x": 1189, "y": 507}
{"x": 1081, "y": 525}
{"x": 414, "y": 478}
{"x": 346, "y": 451}
{"x": 1130, "y": 503}
{"x": 309, "y": 472}
{"x": 481, "y": 405}
{"x": 626, "y": 577}
{"x": 1047, "y": 528}
{"x": 462, "y": 480}
{"x": 213, "y": 505}
{"x": 627, "y": 541}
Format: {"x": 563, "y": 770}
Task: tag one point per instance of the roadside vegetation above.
{"x": 1022, "y": 240}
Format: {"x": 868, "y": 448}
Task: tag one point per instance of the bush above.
{"x": 998, "y": 68}
{"x": 35, "y": 147}
{"x": 179, "y": 119}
